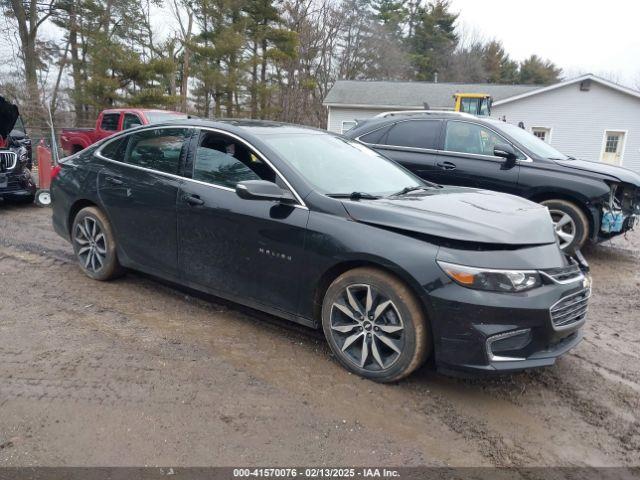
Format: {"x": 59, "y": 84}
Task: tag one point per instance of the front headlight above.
{"x": 23, "y": 154}
{"x": 492, "y": 280}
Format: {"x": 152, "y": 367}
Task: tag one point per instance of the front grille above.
{"x": 8, "y": 160}
{"x": 570, "y": 309}
{"x": 564, "y": 274}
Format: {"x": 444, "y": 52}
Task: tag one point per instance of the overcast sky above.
{"x": 580, "y": 36}
{"x": 601, "y": 37}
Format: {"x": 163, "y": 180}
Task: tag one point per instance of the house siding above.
{"x": 579, "y": 119}
{"x": 339, "y": 114}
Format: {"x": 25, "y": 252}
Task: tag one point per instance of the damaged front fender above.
{"x": 619, "y": 212}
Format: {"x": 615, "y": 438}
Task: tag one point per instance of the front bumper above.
{"x": 17, "y": 186}
{"x": 487, "y": 332}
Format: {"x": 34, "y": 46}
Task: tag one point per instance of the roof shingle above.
{"x": 413, "y": 94}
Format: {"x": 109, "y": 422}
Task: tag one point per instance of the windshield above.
{"x": 19, "y": 125}
{"x": 336, "y": 165}
{"x": 158, "y": 117}
{"x": 531, "y": 142}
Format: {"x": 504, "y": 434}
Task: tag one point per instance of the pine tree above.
{"x": 534, "y": 70}
{"x": 434, "y": 39}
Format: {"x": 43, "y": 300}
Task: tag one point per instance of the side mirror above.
{"x": 261, "y": 190}
{"x": 506, "y": 151}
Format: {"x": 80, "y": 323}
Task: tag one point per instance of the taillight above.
{"x": 55, "y": 171}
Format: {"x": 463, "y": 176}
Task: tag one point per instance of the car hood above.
{"x": 463, "y": 214}
{"x": 8, "y": 117}
{"x": 620, "y": 173}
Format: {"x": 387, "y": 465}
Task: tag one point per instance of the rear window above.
{"x": 376, "y": 136}
{"x": 157, "y": 149}
{"x": 159, "y": 117}
{"x": 415, "y": 133}
{"x": 110, "y": 121}
{"x": 115, "y": 149}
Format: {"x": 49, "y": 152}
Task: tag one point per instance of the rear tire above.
{"x": 95, "y": 245}
{"x": 570, "y": 222}
{"x": 375, "y": 325}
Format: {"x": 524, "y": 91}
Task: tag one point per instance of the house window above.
{"x": 612, "y": 144}
{"x": 543, "y": 133}
{"x": 347, "y": 125}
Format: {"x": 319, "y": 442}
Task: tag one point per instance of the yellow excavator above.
{"x": 474, "y": 103}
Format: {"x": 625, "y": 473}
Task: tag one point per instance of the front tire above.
{"x": 375, "y": 325}
{"x": 95, "y": 245}
{"x": 570, "y": 222}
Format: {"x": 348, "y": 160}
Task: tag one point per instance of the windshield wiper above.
{"x": 406, "y": 190}
{"x": 354, "y": 196}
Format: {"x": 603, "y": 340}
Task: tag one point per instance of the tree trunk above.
{"x": 263, "y": 81}
{"x": 27, "y": 31}
{"x": 254, "y": 79}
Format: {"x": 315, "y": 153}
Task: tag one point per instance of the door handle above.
{"x": 114, "y": 181}
{"x": 193, "y": 200}
{"x": 446, "y": 165}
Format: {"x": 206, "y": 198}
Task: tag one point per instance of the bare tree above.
{"x": 182, "y": 11}
{"x": 29, "y": 17}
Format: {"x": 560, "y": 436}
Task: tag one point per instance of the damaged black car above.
{"x": 324, "y": 231}
{"x": 16, "y": 181}
{"x": 588, "y": 201}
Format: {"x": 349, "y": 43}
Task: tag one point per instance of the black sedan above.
{"x": 326, "y": 232}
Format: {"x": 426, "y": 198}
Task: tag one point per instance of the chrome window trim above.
{"x": 404, "y": 149}
{"x": 98, "y": 153}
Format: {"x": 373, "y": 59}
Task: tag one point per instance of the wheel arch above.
{"x": 540, "y": 197}
{"x": 327, "y": 278}
{"x": 75, "y": 208}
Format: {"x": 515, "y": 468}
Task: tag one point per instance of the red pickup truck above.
{"x": 112, "y": 121}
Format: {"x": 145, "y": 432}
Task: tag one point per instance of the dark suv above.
{"x": 16, "y": 182}
{"x": 587, "y": 200}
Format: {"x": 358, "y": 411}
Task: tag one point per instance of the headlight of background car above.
{"x": 492, "y": 280}
{"x": 23, "y": 155}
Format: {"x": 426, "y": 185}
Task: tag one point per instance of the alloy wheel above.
{"x": 367, "y": 328}
{"x": 564, "y": 226}
{"x": 92, "y": 244}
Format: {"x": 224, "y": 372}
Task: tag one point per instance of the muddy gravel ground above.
{"x": 137, "y": 372}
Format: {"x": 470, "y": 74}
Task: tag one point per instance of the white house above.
{"x": 587, "y": 117}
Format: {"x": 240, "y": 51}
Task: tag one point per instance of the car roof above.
{"x": 256, "y": 127}
{"x": 369, "y": 124}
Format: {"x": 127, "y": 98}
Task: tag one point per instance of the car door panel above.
{"x": 142, "y": 208}
{"x": 413, "y": 143}
{"x": 467, "y": 159}
{"x": 476, "y": 171}
{"x": 243, "y": 248}
{"x": 420, "y": 162}
{"x": 140, "y": 196}
{"x": 249, "y": 249}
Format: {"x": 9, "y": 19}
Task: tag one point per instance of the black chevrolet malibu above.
{"x": 325, "y": 232}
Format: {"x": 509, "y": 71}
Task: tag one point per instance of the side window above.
{"x": 221, "y": 160}
{"x": 157, "y": 149}
{"x": 130, "y": 120}
{"x": 415, "y": 133}
{"x": 110, "y": 121}
{"x": 467, "y": 137}
{"x": 116, "y": 149}
{"x": 377, "y": 136}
